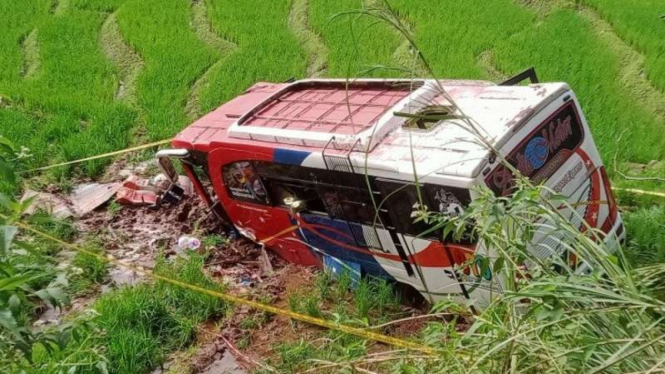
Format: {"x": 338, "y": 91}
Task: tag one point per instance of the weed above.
{"x": 384, "y": 295}
{"x": 245, "y": 341}
{"x": 191, "y": 304}
{"x": 311, "y": 305}
{"x": 294, "y": 301}
{"x": 344, "y": 283}
{"x": 645, "y": 228}
{"x": 214, "y": 241}
{"x": 249, "y": 323}
{"x": 293, "y": 355}
{"x": 114, "y": 208}
{"x": 306, "y": 302}
{"x": 323, "y": 283}
{"x": 144, "y": 322}
{"x": 362, "y": 297}
{"x": 87, "y": 271}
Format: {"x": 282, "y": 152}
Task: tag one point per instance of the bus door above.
{"x": 431, "y": 260}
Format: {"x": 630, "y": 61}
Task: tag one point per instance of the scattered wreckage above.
{"x": 301, "y": 166}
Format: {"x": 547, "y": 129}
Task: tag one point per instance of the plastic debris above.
{"x": 128, "y": 196}
{"x": 188, "y": 242}
{"x": 137, "y": 183}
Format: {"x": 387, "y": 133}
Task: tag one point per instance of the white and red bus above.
{"x": 303, "y": 166}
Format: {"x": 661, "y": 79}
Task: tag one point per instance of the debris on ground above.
{"x": 134, "y": 182}
{"x": 55, "y": 205}
{"x": 89, "y": 196}
{"x": 128, "y": 196}
{"x": 138, "y": 234}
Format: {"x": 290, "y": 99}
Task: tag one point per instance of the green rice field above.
{"x": 82, "y": 77}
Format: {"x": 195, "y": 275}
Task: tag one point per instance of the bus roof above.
{"x": 369, "y": 118}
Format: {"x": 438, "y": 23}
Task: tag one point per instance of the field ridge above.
{"x": 128, "y": 61}
{"x": 30, "y": 49}
{"x": 311, "y": 42}
{"x": 631, "y": 63}
{"x": 203, "y": 30}
{"x": 404, "y": 53}
{"x": 59, "y": 6}
{"x": 485, "y": 60}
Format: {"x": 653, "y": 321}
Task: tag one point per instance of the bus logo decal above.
{"x": 542, "y": 152}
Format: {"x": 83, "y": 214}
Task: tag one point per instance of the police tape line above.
{"x": 103, "y": 155}
{"x": 639, "y": 192}
{"x": 360, "y": 332}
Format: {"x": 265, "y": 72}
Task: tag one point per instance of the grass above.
{"x": 640, "y": 23}
{"x": 371, "y": 301}
{"x": 599, "y": 91}
{"x": 170, "y": 56}
{"x": 448, "y": 32}
{"x": 266, "y": 48}
{"x": 87, "y": 272}
{"x": 59, "y": 90}
{"x": 353, "y": 44}
{"x": 161, "y": 34}
{"x": 145, "y": 322}
{"x": 132, "y": 329}
{"x": 645, "y": 228}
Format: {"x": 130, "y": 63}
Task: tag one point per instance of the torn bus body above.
{"x": 301, "y": 166}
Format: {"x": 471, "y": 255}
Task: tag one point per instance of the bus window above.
{"x": 348, "y": 204}
{"x": 400, "y": 201}
{"x": 280, "y": 190}
{"x": 243, "y": 183}
{"x": 450, "y": 202}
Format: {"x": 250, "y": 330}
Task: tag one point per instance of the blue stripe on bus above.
{"x": 289, "y": 156}
{"x": 367, "y": 262}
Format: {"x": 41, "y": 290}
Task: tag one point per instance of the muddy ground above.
{"x": 138, "y": 235}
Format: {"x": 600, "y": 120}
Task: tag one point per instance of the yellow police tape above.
{"x": 360, "y": 332}
{"x": 639, "y": 192}
{"x": 103, "y": 155}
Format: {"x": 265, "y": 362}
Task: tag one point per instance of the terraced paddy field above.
{"x": 81, "y": 77}
{"x": 84, "y": 77}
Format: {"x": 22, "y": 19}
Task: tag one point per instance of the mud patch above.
{"x": 136, "y": 236}
{"x": 225, "y": 364}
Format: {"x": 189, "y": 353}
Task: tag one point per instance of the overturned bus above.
{"x": 301, "y": 167}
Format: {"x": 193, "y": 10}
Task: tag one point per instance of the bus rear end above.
{"x": 555, "y": 148}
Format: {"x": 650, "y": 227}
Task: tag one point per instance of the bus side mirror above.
{"x": 164, "y": 160}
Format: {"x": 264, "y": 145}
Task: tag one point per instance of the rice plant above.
{"x": 640, "y": 22}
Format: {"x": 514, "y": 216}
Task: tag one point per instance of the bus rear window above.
{"x": 542, "y": 152}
